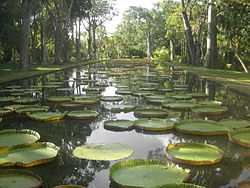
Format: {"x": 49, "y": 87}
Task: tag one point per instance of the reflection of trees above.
{"x": 157, "y": 154}
{"x": 86, "y": 172}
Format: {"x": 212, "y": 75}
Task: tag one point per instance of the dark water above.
{"x": 68, "y": 134}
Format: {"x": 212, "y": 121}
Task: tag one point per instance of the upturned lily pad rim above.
{"x": 110, "y": 125}
{"x": 210, "y": 110}
{"x": 194, "y": 162}
{"x": 69, "y": 186}
{"x": 141, "y": 162}
{"x": 140, "y": 124}
{"x": 92, "y": 147}
{"x": 181, "y": 185}
{"x": 21, "y": 131}
{"x": 34, "y": 162}
{"x": 82, "y": 114}
{"x": 111, "y": 98}
{"x": 17, "y": 172}
{"x": 232, "y": 138}
{"x": 55, "y": 116}
{"x": 199, "y": 132}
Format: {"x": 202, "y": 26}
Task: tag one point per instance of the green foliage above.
{"x": 161, "y": 54}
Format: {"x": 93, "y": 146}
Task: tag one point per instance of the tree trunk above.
{"x": 148, "y": 48}
{"x": 189, "y": 38}
{"x": 211, "y": 37}
{"x": 89, "y": 38}
{"x": 25, "y": 31}
{"x": 171, "y": 50}
{"x": 94, "y": 41}
{"x": 78, "y": 39}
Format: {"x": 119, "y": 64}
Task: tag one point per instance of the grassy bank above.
{"x": 11, "y": 72}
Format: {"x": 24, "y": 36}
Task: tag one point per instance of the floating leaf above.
{"x": 150, "y": 113}
{"x": 28, "y": 155}
{"x": 32, "y": 109}
{"x": 146, "y": 173}
{"x": 201, "y": 127}
{"x": 119, "y": 125}
{"x": 83, "y": 114}
{"x": 241, "y": 137}
{"x": 232, "y": 124}
{"x": 59, "y": 99}
{"x": 154, "y": 124}
{"x": 211, "y": 110}
{"x": 181, "y": 185}
{"x": 69, "y": 186}
{"x": 194, "y": 153}
{"x": 180, "y": 106}
{"x": 103, "y": 152}
{"x": 13, "y": 137}
{"x": 111, "y": 98}
{"x": 46, "y": 116}
{"x": 19, "y": 179}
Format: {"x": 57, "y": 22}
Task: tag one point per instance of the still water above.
{"x": 69, "y": 134}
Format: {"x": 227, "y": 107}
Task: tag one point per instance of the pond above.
{"x": 108, "y": 80}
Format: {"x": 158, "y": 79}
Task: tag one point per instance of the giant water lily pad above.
{"x": 232, "y": 124}
{"x": 241, "y": 137}
{"x": 154, "y": 124}
{"x": 194, "y": 153}
{"x": 83, "y": 114}
{"x": 13, "y": 137}
{"x": 150, "y": 113}
{"x": 179, "y": 106}
{"x": 181, "y": 185}
{"x": 28, "y": 155}
{"x": 46, "y": 116}
{"x": 210, "y": 110}
{"x": 86, "y": 100}
{"x": 69, "y": 186}
{"x": 201, "y": 127}
{"x": 155, "y": 98}
{"x": 146, "y": 173}
{"x": 119, "y": 125}
{"x": 59, "y": 99}
{"x": 182, "y": 97}
{"x": 19, "y": 179}
{"x": 7, "y": 99}
{"x": 142, "y": 93}
{"x": 103, "y": 152}
{"x": 123, "y": 92}
{"x": 111, "y": 98}
{"x": 25, "y": 100}
{"x": 120, "y": 108}
{"x": 32, "y": 109}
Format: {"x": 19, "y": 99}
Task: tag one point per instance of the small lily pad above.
{"x": 201, "y": 127}
{"x": 28, "y": 155}
{"x": 83, "y": 114}
{"x": 19, "y": 179}
{"x": 46, "y": 116}
{"x": 111, "y": 98}
{"x": 59, "y": 99}
{"x": 103, "y": 152}
{"x": 194, "y": 153}
{"x": 119, "y": 125}
{"x": 146, "y": 173}
{"x": 13, "y": 137}
{"x": 154, "y": 124}
{"x": 232, "y": 124}
{"x": 241, "y": 137}
{"x": 150, "y": 113}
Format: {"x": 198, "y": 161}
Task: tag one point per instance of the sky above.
{"x": 121, "y": 6}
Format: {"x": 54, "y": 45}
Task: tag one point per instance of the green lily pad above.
{"x": 199, "y": 95}
{"x": 183, "y": 106}
{"x": 154, "y": 124}
{"x": 120, "y": 108}
{"x": 28, "y": 155}
{"x": 13, "y": 137}
{"x": 14, "y": 87}
{"x": 166, "y": 90}
{"x": 46, "y": 116}
{"x": 19, "y": 179}
{"x": 181, "y": 185}
{"x": 69, "y": 186}
{"x": 182, "y": 97}
{"x": 147, "y": 89}
{"x": 123, "y": 92}
{"x": 241, "y": 137}
{"x": 194, "y": 153}
{"x": 32, "y": 109}
{"x": 201, "y": 127}
{"x": 232, "y": 124}
{"x": 4, "y": 112}
{"x": 119, "y": 125}
{"x": 150, "y": 113}
{"x": 155, "y": 97}
{"x": 59, "y": 99}
{"x": 111, "y": 98}
{"x": 146, "y": 173}
{"x": 142, "y": 93}
{"x": 83, "y": 114}
{"x": 103, "y": 152}
{"x": 7, "y": 99}
{"x": 210, "y": 110}
{"x": 15, "y": 107}
{"x": 25, "y": 101}
{"x": 86, "y": 100}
